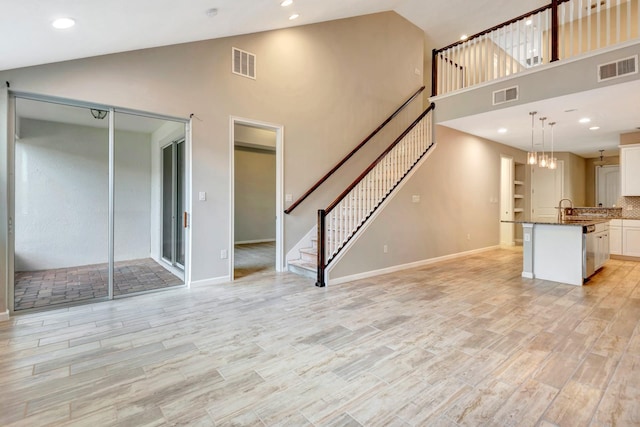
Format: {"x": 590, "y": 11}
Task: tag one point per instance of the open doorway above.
{"x": 256, "y": 206}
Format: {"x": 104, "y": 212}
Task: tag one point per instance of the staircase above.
{"x": 307, "y": 264}
{"x": 345, "y": 217}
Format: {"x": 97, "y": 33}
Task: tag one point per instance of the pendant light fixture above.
{"x": 542, "y": 160}
{"x": 553, "y": 162}
{"x": 532, "y": 156}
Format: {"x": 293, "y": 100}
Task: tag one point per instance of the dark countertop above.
{"x": 572, "y": 222}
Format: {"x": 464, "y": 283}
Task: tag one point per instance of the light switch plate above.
{"x": 415, "y": 198}
{"x": 202, "y": 196}
{"x": 288, "y": 197}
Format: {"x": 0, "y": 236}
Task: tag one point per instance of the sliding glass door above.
{"x": 61, "y": 213}
{"x": 137, "y": 201}
{"x": 90, "y": 203}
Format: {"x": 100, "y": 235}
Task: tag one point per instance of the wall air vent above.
{"x": 618, "y": 68}
{"x": 243, "y": 63}
{"x": 505, "y": 95}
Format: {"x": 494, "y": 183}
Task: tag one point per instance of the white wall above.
{"x": 62, "y": 195}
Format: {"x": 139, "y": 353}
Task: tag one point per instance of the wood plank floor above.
{"x": 460, "y": 343}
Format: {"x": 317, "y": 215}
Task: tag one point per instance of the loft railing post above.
{"x": 434, "y": 73}
{"x": 554, "y": 30}
{"x": 321, "y": 247}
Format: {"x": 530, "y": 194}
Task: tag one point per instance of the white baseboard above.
{"x": 410, "y": 265}
{"x": 527, "y": 275}
{"x": 248, "y": 242}
{"x": 212, "y": 281}
{"x": 4, "y": 316}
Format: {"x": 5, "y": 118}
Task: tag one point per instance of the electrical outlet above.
{"x": 202, "y": 196}
{"x": 385, "y": 249}
{"x": 224, "y": 254}
{"x": 469, "y": 236}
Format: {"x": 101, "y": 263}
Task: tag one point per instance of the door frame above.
{"x": 279, "y": 130}
{"x": 507, "y": 231}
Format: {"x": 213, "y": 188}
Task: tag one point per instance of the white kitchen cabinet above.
{"x": 631, "y": 237}
{"x": 630, "y": 170}
{"x": 615, "y": 237}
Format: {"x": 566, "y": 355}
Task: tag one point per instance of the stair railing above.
{"x": 354, "y": 151}
{"x": 341, "y": 220}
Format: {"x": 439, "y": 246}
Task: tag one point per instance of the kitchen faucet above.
{"x": 561, "y": 210}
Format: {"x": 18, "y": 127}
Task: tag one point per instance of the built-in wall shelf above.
{"x": 518, "y": 210}
{"x": 518, "y": 182}
{"x": 518, "y": 196}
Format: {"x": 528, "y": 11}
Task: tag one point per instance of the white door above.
{"x": 506, "y": 201}
{"x": 607, "y": 185}
{"x": 546, "y": 192}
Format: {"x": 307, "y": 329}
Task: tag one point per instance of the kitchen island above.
{"x": 566, "y": 251}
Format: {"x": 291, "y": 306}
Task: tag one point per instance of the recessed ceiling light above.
{"x": 211, "y": 12}
{"x": 502, "y": 130}
{"x": 294, "y": 16}
{"x": 528, "y": 22}
{"x": 584, "y": 120}
{"x": 594, "y": 128}
{"x": 63, "y": 23}
{"x": 464, "y": 37}
{"x": 570, "y": 110}
{"x": 286, "y": 3}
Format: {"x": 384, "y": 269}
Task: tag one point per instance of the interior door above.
{"x": 546, "y": 192}
{"x": 608, "y": 185}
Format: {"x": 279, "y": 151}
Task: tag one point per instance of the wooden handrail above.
{"x": 379, "y": 159}
{"x": 348, "y": 156}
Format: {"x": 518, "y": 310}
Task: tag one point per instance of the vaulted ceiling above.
{"x": 123, "y": 25}
{"x": 104, "y": 27}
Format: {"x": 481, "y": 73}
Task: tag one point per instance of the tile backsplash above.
{"x": 633, "y": 203}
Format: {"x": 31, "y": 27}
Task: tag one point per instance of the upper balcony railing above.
{"x": 560, "y": 30}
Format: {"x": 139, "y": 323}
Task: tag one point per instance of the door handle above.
{"x": 184, "y": 219}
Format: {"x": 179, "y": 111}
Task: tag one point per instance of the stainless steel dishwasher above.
{"x": 588, "y": 250}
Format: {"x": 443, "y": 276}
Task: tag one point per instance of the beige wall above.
{"x": 574, "y": 177}
{"x": 255, "y": 195}
{"x": 328, "y": 84}
{"x": 630, "y": 138}
{"x": 4, "y": 201}
{"x": 459, "y": 189}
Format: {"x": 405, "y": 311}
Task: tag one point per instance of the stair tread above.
{"x": 303, "y": 264}
{"x": 310, "y": 251}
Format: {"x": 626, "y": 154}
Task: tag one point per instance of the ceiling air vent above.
{"x": 505, "y": 95}
{"x": 618, "y": 68}
{"x": 243, "y": 63}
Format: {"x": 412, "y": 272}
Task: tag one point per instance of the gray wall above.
{"x": 255, "y": 195}
{"x": 328, "y": 84}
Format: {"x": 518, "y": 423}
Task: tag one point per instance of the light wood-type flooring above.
{"x": 466, "y": 342}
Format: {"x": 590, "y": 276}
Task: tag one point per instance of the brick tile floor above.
{"x": 34, "y": 289}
